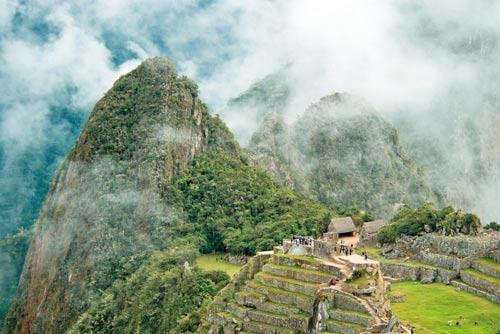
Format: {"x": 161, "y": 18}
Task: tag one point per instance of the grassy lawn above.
{"x": 429, "y": 307}
{"x": 374, "y": 253}
{"x": 211, "y": 262}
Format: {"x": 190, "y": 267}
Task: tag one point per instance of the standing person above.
{"x": 366, "y": 256}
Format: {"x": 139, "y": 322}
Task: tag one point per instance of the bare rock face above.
{"x": 106, "y": 209}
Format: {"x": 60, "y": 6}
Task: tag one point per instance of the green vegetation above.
{"x": 234, "y": 207}
{"x": 429, "y": 307}
{"x": 213, "y": 262}
{"x": 13, "y": 249}
{"x": 494, "y": 226}
{"x": 155, "y": 297}
{"x": 409, "y": 221}
{"x": 360, "y": 279}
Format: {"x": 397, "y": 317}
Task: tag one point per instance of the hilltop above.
{"x": 342, "y": 152}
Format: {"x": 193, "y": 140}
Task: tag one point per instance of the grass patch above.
{"x": 374, "y": 253}
{"x": 429, "y": 307}
{"x": 489, "y": 263}
{"x": 361, "y": 281}
{"x": 484, "y": 276}
{"x": 211, "y": 262}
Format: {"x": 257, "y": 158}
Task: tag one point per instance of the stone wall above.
{"x": 323, "y": 248}
{"x": 495, "y": 255}
{"x": 253, "y": 266}
{"x": 444, "y": 261}
{"x": 479, "y": 283}
{"x": 406, "y": 272}
{"x": 236, "y": 259}
{"x": 486, "y": 269}
{"x": 461, "y": 246}
{"x": 477, "y": 292}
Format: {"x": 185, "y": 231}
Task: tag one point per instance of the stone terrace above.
{"x": 277, "y": 293}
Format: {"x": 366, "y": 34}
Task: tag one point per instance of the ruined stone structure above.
{"x": 289, "y": 291}
{"x": 278, "y": 293}
{"x": 468, "y": 262}
{"x": 369, "y": 231}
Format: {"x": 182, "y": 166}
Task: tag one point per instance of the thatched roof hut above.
{"x": 342, "y": 226}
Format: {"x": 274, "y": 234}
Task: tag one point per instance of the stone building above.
{"x": 342, "y": 227}
{"x": 369, "y": 231}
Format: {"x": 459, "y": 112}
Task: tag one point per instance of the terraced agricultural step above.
{"x": 481, "y": 281}
{"x": 348, "y": 302}
{"x": 343, "y": 327}
{"x": 224, "y": 318}
{"x": 298, "y": 273}
{"x": 249, "y": 298}
{"x": 293, "y": 321}
{"x": 259, "y": 301}
{"x": 306, "y": 262}
{"x": 350, "y": 316}
{"x": 262, "y": 328}
{"x": 285, "y": 283}
{"x": 475, "y": 291}
{"x": 487, "y": 266}
{"x": 238, "y": 310}
{"x": 278, "y": 295}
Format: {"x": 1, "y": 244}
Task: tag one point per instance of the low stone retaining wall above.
{"x": 479, "y": 283}
{"x": 495, "y": 255}
{"x": 461, "y": 246}
{"x": 444, "y": 261}
{"x": 477, "y": 292}
{"x": 486, "y": 269}
{"x": 253, "y": 266}
{"x": 406, "y": 272}
{"x": 236, "y": 259}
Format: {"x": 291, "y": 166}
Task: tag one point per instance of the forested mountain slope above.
{"x": 152, "y": 180}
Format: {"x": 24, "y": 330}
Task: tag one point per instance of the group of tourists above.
{"x": 344, "y": 249}
{"x": 301, "y": 240}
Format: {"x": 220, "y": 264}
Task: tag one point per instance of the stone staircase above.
{"x": 482, "y": 279}
{"x": 282, "y": 298}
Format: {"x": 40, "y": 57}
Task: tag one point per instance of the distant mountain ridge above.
{"x": 342, "y": 152}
